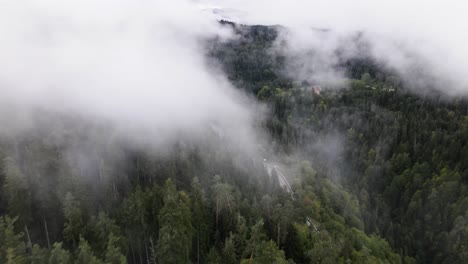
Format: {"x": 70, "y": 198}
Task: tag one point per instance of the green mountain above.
{"x": 371, "y": 172}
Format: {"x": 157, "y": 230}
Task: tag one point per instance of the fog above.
{"x": 424, "y": 41}
{"x": 138, "y": 70}
{"x": 135, "y": 67}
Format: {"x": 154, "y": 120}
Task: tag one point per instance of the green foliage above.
{"x": 16, "y": 191}
{"x": 84, "y": 254}
{"x": 113, "y": 253}
{"x": 374, "y": 170}
{"x": 175, "y": 237}
{"x": 229, "y": 250}
{"x": 213, "y": 257}
{"x": 74, "y": 221}
{"x": 268, "y": 252}
{"x": 104, "y": 232}
{"x": 38, "y": 255}
{"x": 58, "y": 255}
{"x": 12, "y": 248}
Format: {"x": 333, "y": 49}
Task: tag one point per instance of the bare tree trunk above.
{"x": 146, "y": 249}
{"x": 153, "y": 255}
{"x": 115, "y": 190}
{"x": 47, "y": 233}
{"x": 268, "y": 210}
{"x": 217, "y": 211}
{"x": 138, "y": 169}
{"x": 139, "y": 251}
{"x": 27, "y": 235}
{"x": 100, "y": 169}
{"x": 278, "y": 238}
{"x": 131, "y": 247}
{"x": 133, "y": 254}
{"x": 229, "y": 205}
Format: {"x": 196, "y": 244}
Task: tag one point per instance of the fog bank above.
{"x": 137, "y": 67}
{"x": 424, "y": 41}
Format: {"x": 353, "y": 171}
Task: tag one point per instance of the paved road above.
{"x": 284, "y": 183}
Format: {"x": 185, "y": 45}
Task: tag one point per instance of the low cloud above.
{"x": 135, "y": 67}
{"x": 424, "y": 41}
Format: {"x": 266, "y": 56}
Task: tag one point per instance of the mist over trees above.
{"x": 378, "y": 173}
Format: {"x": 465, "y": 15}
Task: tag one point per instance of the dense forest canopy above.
{"x": 375, "y": 172}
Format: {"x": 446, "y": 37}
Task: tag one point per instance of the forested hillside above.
{"x": 378, "y": 174}
{"x": 404, "y": 151}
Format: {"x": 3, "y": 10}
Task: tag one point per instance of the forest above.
{"x": 378, "y": 173}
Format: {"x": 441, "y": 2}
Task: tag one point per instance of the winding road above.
{"x": 281, "y": 178}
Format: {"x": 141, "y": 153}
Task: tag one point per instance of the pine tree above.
{"x": 199, "y": 220}
{"x": 175, "y": 235}
{"x": 73, "y": 219}
{"x": 229, "y": 250}
{"x": 113, "y": 253}
{"x": 58, "y": 255}
{"x": 85, "y": 254}
{"x": 268, "y": 252}
{"x": 213, "y": 257}
{"x": 12, "y": 248}
{"x": 17, "y": 192}
{"x": 38, "y": 255}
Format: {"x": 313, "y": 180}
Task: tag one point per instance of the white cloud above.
{"x": 434, "y": 31}
{"x": 136, "y": 64}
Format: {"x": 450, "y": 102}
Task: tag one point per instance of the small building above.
{"x": 317, "y": 89}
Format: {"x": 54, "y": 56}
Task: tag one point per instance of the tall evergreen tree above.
{"x": 175, "y": 235}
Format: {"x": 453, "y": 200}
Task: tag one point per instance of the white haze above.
{"x": 138, "y": 66}
{"x": 426, "y": 41}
